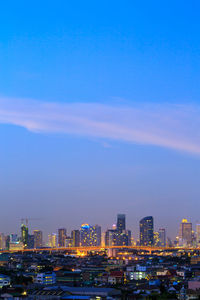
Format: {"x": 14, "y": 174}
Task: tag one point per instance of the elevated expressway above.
{"x": 148, "y": 249}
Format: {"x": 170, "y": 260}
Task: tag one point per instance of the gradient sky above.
{"x": 99, "y": 113}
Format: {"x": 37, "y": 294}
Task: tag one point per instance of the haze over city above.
{"x": 99, "y": 114}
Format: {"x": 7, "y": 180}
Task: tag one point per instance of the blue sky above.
{"x": 99, "y": 112}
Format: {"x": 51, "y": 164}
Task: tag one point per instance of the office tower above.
{"x": 198, "y": 234}
{"x": 117, "y": 238}
{"x": 123, "y": 238}
{"x": 96, "y": 235}
{"x": 156, "y": 240}
{"x": 146, "y": 231}
{"x": 38, "y": 243}
{"x": 85, "y": 235}
{"x": 7, "y": 240}
{"x": 30, "y": 244}
{"x": 68, "y": 241}
{"x": 110, "y": 237}
{"x": 185, "y": 233}
{"x": 52, "y": 240}
{"x": 121, "y": 222}
{"x": 75, "y": 238}
{"x": 90, "y": 235}
{"x": 2, "y": 241}
{"x": 162, "y": 237}
{"x": 14, "y": 238}
{"x": 62, "y": 234}
{"x": 24, "y": 234}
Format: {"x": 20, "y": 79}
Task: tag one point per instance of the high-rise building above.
{"x": 121, "y": 222}
{"x": 96, "y": 235}
{"x": 75, "y": 238}
{"x": 110, "y": 237}
{"x": 62, "y": 234}
{"x": 2, "y": 241}
{"x": 14, "y": 238}
{"x": 162, "y": 237}
{"x": 156, "y": 240}
{"x": 185, "y": 233}
{"x": 30, "y": 244}
{"x": 52, "y": 240}
{"x": 38, "y": 243}
{"x": 90, "y": 235}
{"x": 68, "y": 241}
{"x": 198, "y": 234}
{"x": 24, "y": 234}
{"x": 118, "y": 236}
{"x": 146, "y": 231}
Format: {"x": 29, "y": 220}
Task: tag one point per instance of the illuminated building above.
{"x": 2, "y": 241}
{"x": 121, "y": 222}
{"x": 146, "y": 231}
{"x": 118, "y": 236}
{"x": 156, "y": 240}
{"x": 185, "y": 233}
{"x": 37, "y": 239}
{"x": 52, "y": 240}
{"x": 62, "y": 233}
{"x": 96, "y": 235}
{"x": 90, "y": 235}
{"x": 30, "y": 244}
{"x": 24, "y": 235}
{"x": 110, "y": 237}
{"x": 198, "y": 234}
{"x": 17, "y": 246}
{"x": 75, "y": 238}
{"x": 162, "y": 237}
{"x": 7, "y": 241}
{"x": 14, "y": 238}
{"x": 45, "y": 278}
{"x": 68, "y": 242}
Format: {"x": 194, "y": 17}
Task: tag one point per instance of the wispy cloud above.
{"x": 171, "y": 126}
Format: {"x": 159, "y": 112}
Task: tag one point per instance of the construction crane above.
{"x": 26, "y": 220}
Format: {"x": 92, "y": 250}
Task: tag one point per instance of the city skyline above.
{"x": 119, "y": 224}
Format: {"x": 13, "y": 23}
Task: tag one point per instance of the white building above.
{"x": 45, "y": 278}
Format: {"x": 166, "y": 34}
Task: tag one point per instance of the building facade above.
{"x": 75, "y": 238}
{"x": 62, "y": 234}
{"x": 185, "y": 233}
{"x": 90, "y": 235}
{"x": 38, "y": 241}
{"x": 147, "y": 231}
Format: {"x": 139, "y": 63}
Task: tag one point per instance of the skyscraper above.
{"x": 2, "y": 241}
{"x": 75, "y": 238}
{"x": 37, "y": 238}
{"x": 118, "y": 236}
{"x": 198, "y": 234}
{"x": 52, "y": 240}
{"x": 30, "y": 244}
{"x": 90, "y": 235}
{"x": 96, "y": 235}
{"x": 121, "y": 222}
{"x": 110, "y": 237}
{"x": 162, "y": 237}
{"x": 62, "y": 234}
{"x": 146, "y": 231}
{"x": 185, "y": 233}
{"x": 24, "y": 235}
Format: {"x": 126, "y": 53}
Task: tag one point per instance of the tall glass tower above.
{"x": 121, "y": 222}
{"x": 146, "y": 231}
